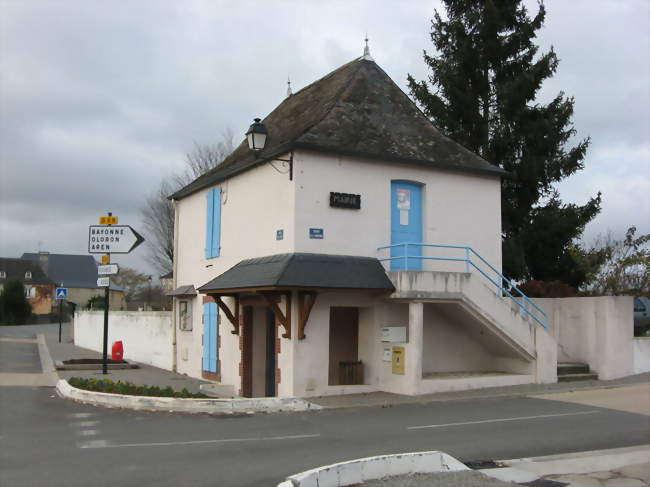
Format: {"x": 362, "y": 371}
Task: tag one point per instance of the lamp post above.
{"x": 256, "y": 138}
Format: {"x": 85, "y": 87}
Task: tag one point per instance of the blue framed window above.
{"x": 213, "y": 224}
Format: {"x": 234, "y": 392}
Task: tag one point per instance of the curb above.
{"x": 173, "y": 404}
{"x": 371, "y": 468}
{"x": 47, "y": 364}
{"x": 533, "y": 468}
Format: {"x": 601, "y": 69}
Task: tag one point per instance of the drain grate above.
{"x": 481, "y": 464}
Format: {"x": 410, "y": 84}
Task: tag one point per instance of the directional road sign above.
{"x": 103, "y": 281}
{"x": 107, "y": 270}
{"x": 61, "y": 293}
{"x": 113, "y": 239}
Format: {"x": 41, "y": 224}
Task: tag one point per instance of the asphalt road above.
{"x": 48, "y": 441}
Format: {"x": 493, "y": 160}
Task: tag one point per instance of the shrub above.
{"x": 14, "y": 307}
{"x": 128, "y": 388}
{"x": 547, "y": 289}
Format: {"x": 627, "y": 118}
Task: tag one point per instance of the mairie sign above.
{"x": 114, "y": 239}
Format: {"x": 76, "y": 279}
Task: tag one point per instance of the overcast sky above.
{"x": 100, "y": 100}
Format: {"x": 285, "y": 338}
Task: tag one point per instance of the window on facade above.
{"x": 3, "y": 274}
{"x": 28, "y": 275}
{"x": 213, "y": 224}
{"x": 30, "y": 292}
{"x": 184, "y": 315}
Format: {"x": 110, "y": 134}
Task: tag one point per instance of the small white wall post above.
{"x": 415, "y": 347}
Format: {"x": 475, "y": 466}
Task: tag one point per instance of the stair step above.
{"x": 564, "y": 368}
{"x": 577, "y": 377}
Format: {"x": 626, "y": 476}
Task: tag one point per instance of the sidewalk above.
{"x": 145, "y": 375}
{"x": 387, "y": 399}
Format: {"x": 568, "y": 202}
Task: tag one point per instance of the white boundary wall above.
{"x": 598, "y": 331}
{"x": 641, "y": 355}
{"x": 146, "y": 335}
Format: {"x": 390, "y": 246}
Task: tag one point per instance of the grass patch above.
{"x": 130, "y": 389}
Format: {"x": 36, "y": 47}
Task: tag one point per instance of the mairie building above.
{"x": 348, "y": 246}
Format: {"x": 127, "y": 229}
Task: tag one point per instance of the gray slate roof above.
{"x": 356, "y": 110}
{"x": 304, "y": 271}
{"x": 15, "y": 269}
{"x": 183, "y": 291}
{"x": 71, "y": 270}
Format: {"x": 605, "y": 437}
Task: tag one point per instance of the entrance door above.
{"x": 344, "y": 346}
{"x": 210, "y": 337}
{"x": 247, "y": 352}
{"x": 406, "y": 225}
{"x": 270, "y": 354}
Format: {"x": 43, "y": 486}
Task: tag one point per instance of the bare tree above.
{"x": 627, "y": 266}
{"x": 158, "y": 210}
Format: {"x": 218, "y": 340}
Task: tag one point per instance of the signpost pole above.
{"x": 60, "y": 314}
{"x": 105, "y": 346}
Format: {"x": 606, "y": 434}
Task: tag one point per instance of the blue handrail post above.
{"x": 467, "y": 260}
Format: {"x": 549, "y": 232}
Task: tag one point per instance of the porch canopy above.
{"x": 274, "y": 276}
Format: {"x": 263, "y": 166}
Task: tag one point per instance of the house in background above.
{"x": 39, "y": 289}
{"x": 354, "y": 249}
{"x": 78, "y": 273}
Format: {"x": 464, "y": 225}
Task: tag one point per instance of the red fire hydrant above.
{"x": 117, "y": 351}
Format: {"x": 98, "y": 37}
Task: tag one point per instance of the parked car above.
{"x": 641, "y": 315}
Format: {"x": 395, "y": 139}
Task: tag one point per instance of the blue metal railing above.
{"x": 502, "y": 283}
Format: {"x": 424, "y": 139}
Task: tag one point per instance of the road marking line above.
{"x": 81, "y": 415}
{"x": 501, "y": 420}
{"x": 87, "y": 432}
{"x": 84, "y": 424}
{"x": 197, "y": 442}
{"x": 94, "y": 444}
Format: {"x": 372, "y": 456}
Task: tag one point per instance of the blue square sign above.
{"x": 61, "y": 293}
{"x": 316, "y": 233}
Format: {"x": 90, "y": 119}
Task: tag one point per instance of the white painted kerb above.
{"x": 211, "y": 406}
{"x": 370, "y": 468}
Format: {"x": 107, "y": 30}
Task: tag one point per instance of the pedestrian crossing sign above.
{"x": 61, "y": 293}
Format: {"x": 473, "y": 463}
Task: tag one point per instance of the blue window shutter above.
{"x": 208, "y": 226}
{"x": 216, "y": 334}
{"x": 206, "y": 336}
{"x": 213, "y": 337}
{"x": 216, "y": 223}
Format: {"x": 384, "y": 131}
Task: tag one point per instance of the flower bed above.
{"x": 130, "y": 389}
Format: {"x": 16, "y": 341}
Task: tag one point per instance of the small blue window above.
{"x": 213, "y": 224}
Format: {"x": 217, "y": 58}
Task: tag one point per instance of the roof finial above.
{"x": 289, "y": 93}
{"x": 366, "y": 50}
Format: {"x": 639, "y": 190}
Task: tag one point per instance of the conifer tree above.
{"x": 481, "y": 92}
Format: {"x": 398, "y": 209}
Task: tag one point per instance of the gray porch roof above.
{"x": 301, "y": 270}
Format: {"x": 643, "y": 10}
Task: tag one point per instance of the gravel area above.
{"x": 469, "y": 478}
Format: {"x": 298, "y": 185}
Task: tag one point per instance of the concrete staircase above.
{"x": 501, "y": 316}
{"x": 574, "y": 371}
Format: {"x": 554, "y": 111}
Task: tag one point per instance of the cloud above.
{"x": 98, "y": 103}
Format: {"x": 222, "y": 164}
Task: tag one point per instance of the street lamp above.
{"x": 256, "y": 136}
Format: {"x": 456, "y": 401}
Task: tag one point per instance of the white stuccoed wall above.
{"x": 598, "y": 331}
{"x": 641, "y": 347}
{"x": 253, "y": 206}
{"x": 146, "y": 335}
{"x": 459, "y": 208}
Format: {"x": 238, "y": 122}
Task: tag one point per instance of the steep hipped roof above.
{"x": 71, "y": 270}
{"x": 303, "y": 271}
{"x": 356, "y": 110}
{"x": 15, "y": 269}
